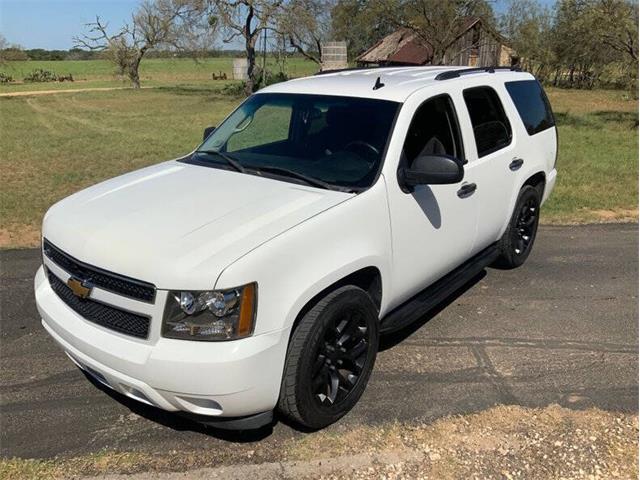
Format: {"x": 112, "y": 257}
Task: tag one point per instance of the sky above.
{"x": 52, "y": 24}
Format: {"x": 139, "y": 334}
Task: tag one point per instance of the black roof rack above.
{"x": 449, "y": 74}
{"x": 446, "y": 75}
{"x": 338, "y": 70}
{"x": 370, "y": 67}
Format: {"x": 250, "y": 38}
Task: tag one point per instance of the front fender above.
{"x": 301, "y": 262}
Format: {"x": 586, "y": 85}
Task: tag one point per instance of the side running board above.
{"x": 429, "y": 298}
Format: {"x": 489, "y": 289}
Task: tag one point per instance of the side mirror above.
{"x": 431, "y": 170}
{"x": 207, "y": 131}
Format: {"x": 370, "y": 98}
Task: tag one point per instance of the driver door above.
{"x": 433, "y": 226}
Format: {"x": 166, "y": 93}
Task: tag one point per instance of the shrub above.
{"x": 266, "y": 78}
{"x": 40, "y": 75}
{"x": 272, "y": 78}
{"x": 234, "y": 89}
{"x": 4, "y": 78}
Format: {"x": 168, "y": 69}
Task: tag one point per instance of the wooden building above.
{"x": 477, "y": 45}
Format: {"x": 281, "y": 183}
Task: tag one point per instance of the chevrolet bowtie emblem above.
{"x": 80, "y": 288}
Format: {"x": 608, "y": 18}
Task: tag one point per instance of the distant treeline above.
{"x": 12, "y": 54}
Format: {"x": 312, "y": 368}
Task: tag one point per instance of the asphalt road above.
{"x": 562, "y": 329}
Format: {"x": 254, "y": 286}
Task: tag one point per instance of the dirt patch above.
{"x": 619, "y": 215}
{"x": 504, "y": 442}
{"x": 582, "y": 217}
{"x": 19, "y": 236}
{"x": 586, "y": 101}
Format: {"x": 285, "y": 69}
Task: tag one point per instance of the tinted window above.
{"x": 532, "y": 104}
{"x": 491, "y": 128}
{"x": 433, "y": 131}
{"x": 339, "y": 140}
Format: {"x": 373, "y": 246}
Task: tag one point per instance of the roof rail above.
{"x": 446, "y": 75}
{"x": 338, "y": 70}
{"x": 449, "y": 74}
{"x": 370, "y": 67}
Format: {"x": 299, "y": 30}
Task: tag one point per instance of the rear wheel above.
{"x": 517, "y": 241}
{"x": 330, "y": 358}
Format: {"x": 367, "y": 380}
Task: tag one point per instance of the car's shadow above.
{"x": 177, "y": 422}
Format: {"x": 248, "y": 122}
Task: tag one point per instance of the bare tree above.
{"x": 159, "y": 23}
{"x": 306, "y": 24}
{"x": 247, "y": 19}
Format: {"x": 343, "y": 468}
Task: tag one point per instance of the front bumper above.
{"x": 221, "y": 379}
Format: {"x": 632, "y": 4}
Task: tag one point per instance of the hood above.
{"x": 178, "y": 225}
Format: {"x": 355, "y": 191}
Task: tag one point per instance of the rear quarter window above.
{"x": 532, "y": 105}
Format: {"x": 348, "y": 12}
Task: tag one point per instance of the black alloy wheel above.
{"x": 340, "y": 358}
{"x": 517, "y": 242}
{"x": 525, "y": 226}
{"x": 331, "y": 355}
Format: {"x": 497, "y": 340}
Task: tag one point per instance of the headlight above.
{"x": 211, "y": 315}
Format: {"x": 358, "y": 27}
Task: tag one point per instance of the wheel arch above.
{"x": 537, "y": 180}
{"x": 368, "y": 279}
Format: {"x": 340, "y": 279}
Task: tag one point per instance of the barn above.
{"x": 477, "y": 45}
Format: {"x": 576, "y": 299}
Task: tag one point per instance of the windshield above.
{"x": 338, "y": 141}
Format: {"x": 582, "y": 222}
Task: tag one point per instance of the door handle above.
{"x": 467, "y": 190}
{"x": 515, "y": 164}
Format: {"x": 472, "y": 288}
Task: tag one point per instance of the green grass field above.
{"x": 53, "y": 145}
{"x": 153, "y": 72}
{"x": 598, "y": 157}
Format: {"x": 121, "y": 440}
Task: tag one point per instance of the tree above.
{"x": 360, "y": 22}
{"x": 436, "y": 23}
{"x": 155, "y": 24}
{"x": 247, "y": 19}
{"x": 619, "y": 26}
{"x": 580, "y": 52}
{"x": 3, "y": 45}
{"x": 306, "y": 24}
{"x": 575, "y": 43}
{"x": 528, "y": 26}
{"x": 11, "y": 52}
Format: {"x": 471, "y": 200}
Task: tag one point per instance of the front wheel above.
{"x": 517, "y": 241}
{"x": 330, "y": 358}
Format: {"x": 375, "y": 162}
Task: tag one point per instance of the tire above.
{"x": 517, "y": 242}
{"x": 330, "y": 358}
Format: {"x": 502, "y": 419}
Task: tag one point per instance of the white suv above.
{"x": 258, "y": 271}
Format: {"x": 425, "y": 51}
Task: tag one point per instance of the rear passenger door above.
{"x": 494, "y": 160}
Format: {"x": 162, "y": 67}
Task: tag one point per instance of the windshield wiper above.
{"x": 316, "y": 182}
{"x": 229, "y": 159}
